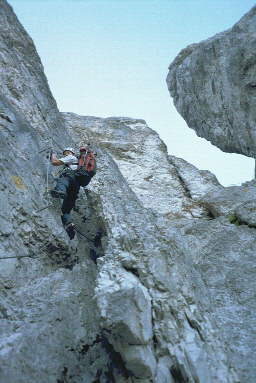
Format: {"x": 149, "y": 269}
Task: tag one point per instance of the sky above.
{"x": 110, "y": 58}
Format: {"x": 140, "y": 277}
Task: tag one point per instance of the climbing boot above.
{"x": 70, "y": 229}
{"x": 58, "y": 194}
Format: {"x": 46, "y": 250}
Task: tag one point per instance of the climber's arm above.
{"x": 55, "y": 161}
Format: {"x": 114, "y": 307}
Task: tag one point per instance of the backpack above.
{"x": 86, "y": 166}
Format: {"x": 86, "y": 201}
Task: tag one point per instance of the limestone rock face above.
{"x": 213, "y": 87}
{"x": 114, "y": 286}
{"x": 196, "y": 182}
{"x": 142, "y": 294}
{"x": 48, "y": 326}
{"x": 225, "y": 201}
{"x": 246, "y": 213}
{"x": 159, "y": 183}
{"x": 224, "y": 255}
{"x": 22, "y": 78}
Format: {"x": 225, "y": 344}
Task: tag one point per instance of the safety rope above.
{"x": 47, "y": 175}
{"x": 43, "y": 208}
{"x": 83, "y": 235}
{"x": 47, "y": 206}
{"x": 47, "y": 172}
{"x": 41, "y": 249}
{"x": 17, "y": 256}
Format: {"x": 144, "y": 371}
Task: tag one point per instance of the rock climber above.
{"x": 68, "y": 185}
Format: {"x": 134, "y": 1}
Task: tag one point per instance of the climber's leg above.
{"x": 67, "y": 206}
{"x": 61, "y": 188}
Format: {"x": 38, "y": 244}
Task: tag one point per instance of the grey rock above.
{"x": 213, "y": 87}
{"x": 125, "y": 308}
{"x": 141, "y": 361}
{"x": 246, "y": 213}
{"x": 250, "y": 183}
{"x": 132, "y": 233}
{"x": 224, "y": 255}
{"x": 137, "y": 305}
{"x": 196, "y": 182}
{"x": 23, "y": 81}
{"x": 143, "y": 160}
{"x": 225, "y": 201}
{"x": 45, "y": 309}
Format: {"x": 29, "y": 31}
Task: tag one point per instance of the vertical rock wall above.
{"x": 49, "y": 328}
{"x": 128, "y": 299}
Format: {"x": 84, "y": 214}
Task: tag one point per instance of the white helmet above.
{"x": 69, "y": 149}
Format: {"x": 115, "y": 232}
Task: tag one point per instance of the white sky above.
{"x": 110, "y": 58}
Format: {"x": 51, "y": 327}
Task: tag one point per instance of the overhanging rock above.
{"x": 214, "y": 89}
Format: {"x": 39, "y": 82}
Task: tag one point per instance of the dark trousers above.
{"x": 69, "y": 184}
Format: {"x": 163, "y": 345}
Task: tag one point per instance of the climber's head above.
{"x": 68, "y": 151}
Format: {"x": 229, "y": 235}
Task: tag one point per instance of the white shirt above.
{"x": 70, "y": 160}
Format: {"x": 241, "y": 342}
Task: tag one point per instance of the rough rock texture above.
{"x": 213, "y": 87}
{"x": 156, "y": 178}
{"x": 225, "y": 201}
{"x": 224, "y": 255}
{"x": 196, "y": 182}
{"x": 213, "y": 84}
{"x": 23, "y": 82}
{"x": 48, "y": 325}
{"x": 136, "y": 297}
{"x": 246, "y": 213}
{"x": 135, "y": 275}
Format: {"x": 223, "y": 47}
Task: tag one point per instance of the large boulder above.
{"x": 213, "y": 87}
